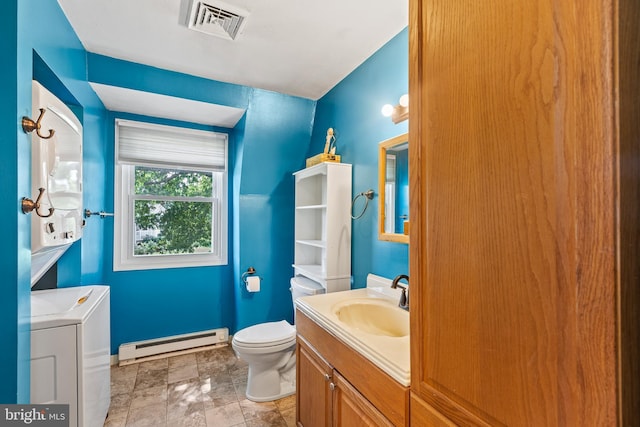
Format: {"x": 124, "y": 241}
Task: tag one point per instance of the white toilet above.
{"x": 270, "y": 351}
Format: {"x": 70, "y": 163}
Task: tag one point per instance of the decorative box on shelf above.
{"x": 323, "y": 157}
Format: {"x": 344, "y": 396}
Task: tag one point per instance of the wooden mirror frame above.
{"x": 382, "y": 167}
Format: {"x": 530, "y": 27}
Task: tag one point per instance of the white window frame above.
{"x": 123, "y": 241}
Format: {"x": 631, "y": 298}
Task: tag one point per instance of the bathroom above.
{"x": 529, "y": 311}
{"x": 148, "y": 304}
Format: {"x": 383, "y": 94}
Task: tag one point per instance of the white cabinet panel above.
{"x": 54, "y": 367}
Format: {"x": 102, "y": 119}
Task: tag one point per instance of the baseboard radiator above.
{"x": 170, "y": 346}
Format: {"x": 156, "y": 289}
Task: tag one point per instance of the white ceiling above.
{"x": 296, "y": 47}
{"x": 167, "y": 107}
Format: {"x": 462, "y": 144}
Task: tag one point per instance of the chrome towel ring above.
{"x": 368, "y": 195}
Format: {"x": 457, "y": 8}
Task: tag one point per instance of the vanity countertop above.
{"x": 390, "y": 353}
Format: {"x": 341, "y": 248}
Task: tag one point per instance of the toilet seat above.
{"x": 270, "y": 335}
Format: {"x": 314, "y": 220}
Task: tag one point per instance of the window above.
{"x": 170, "y": 197}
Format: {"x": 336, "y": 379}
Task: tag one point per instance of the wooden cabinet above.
{"x": 338, "y": 387}
{"x": 314, "y": 374}
{"x": 525, "y": 237}
{"x": 323, "y": 225}
{"x": 351, "y": 408}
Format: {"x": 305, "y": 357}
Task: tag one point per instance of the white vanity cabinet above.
{"x": 323, "y": 225}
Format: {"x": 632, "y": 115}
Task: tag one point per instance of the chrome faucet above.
{"x": 404, "y": 297}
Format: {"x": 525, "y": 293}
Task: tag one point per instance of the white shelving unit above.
{"x": 323, "y": 225}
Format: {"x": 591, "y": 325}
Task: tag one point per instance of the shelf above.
{"x": 317, "y": 273}
{"x": 319, "y": 169}
{"x": 315, "y": 243}
{"x": 311, "y": 270}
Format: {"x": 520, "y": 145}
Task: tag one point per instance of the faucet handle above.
{"x": 403, "y": 298}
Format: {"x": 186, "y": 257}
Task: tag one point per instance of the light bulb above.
{"x": 387, "y": 110}
{"x": 404, "y": 100}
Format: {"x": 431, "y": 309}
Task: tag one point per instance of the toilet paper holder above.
{"x": 249, "y": 271}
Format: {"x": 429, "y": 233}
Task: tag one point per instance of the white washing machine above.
{"x": 70, "y": 351}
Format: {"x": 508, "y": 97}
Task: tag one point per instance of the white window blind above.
{"x": 152, "y": 145}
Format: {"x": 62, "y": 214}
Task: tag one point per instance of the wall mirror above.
{"x": 393, "y": 189}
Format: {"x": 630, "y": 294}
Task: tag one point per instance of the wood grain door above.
{"x": 351, "y": 408}
{"x": 313, "y": 397}
{"x": 515, "y": 251}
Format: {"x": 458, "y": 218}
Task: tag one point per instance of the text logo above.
{"x": 34, "y": 415}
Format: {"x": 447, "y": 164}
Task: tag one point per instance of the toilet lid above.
{"x": 306, "y": 286}
{"x": 270, "y": 333}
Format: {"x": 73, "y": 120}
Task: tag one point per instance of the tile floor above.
{"x": 205, "y": 389}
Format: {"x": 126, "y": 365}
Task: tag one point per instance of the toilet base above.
{"x": 285, "y": 390}
{"x": 266, "y": 385}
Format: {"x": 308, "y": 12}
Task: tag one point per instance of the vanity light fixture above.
{"x": 398, "y": 113}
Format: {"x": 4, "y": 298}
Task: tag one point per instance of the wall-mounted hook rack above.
{"x": 28, "y": 125}
{"x": 29, "y": 205}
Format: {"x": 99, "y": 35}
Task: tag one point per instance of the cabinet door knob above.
{"x": 332, "y": 386}
{"x": 327, "y": 377}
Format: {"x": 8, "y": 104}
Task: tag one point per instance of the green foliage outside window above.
{"x": 173, "y": 211}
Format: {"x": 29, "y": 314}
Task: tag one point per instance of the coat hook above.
{"x": 29, "y": 205}
{"x": 28, "y": 125}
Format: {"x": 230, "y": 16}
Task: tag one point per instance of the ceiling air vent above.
{"x": 217, "y": 19}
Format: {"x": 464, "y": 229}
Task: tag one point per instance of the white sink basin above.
{"x": 370, "y": 322}
{"x": 373, "y": 316}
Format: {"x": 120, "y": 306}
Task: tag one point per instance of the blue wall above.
{"x": 115, "y": 72}
{"x": 275, "y": 141}
{"x": 14, "y": 262}
{"x": 267, "y": 145}
{"x": 352, "y": 108}
{"x": 156, "y": 303}
{"x": 168, "y": 301}
{"x": 36, "y": 40}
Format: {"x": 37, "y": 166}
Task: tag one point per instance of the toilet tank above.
{"x": 56, "y": 167}
{"x": 302, "y": 286}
